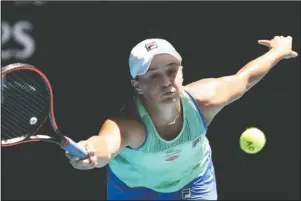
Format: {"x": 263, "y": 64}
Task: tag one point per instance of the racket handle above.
{"x": 75, "y": 149}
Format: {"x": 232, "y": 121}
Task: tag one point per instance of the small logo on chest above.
{"x": 172, "y": 154}
{"x": 196, "y": 141}
{"x": 172, "y": 158}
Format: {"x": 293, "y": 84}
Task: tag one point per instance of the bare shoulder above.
{"x": 203, "y": 91}
{"x": 130, "y": 124}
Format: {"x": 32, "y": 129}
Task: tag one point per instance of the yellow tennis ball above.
{"x": 252, "y": 140}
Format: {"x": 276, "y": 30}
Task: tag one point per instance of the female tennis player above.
{"x": 156, "y": 147}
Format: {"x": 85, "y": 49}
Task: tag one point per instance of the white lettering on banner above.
{"x": 35, "y": 3}
{"x": 19, "y": 33}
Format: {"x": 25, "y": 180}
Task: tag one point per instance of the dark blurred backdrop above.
{"x": 84, "y": 46}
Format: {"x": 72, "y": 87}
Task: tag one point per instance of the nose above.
{"x": 166, "y": 82}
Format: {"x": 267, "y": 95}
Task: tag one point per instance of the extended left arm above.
{"x": 214, "y": 93}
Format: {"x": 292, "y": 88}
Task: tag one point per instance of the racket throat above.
{"x": 60, "y": 138}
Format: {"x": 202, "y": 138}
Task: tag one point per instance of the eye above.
{"x": 154, "y": 76}
{"x": 171, "y": 72}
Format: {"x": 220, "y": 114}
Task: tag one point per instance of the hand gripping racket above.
{"x": 27, "y": 107}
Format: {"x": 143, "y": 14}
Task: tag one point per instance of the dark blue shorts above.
{"x": 201, "y": 188}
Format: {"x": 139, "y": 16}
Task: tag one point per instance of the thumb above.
{"x": 264, "y": 42}
{"x": 294, "y": 54}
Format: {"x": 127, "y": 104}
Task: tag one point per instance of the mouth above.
{"x": 169, "y": 93}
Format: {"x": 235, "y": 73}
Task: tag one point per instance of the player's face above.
{"x": 163, "y": 80}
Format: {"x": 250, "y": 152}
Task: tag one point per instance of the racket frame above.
{"x": 58, "y": 138}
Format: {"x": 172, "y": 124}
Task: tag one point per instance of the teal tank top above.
{"x": 166, "y": 166}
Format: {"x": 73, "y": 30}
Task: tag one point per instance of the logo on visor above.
{"x": 150, "y": 46}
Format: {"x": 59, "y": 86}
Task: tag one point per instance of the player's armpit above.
{"x": 116, "y": 134}
{"x": 213, "y": 94}
{"x": 218, "y": 91}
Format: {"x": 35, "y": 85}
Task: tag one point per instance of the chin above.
{"x": 169, "y": 100}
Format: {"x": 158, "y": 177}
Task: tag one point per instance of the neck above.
{"x": 163, "y": 114}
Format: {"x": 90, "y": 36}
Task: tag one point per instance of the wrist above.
{"x": 277, "y": 54}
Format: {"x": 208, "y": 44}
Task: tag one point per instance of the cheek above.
{"x": 152, "y": 85}
{"x": 179, "y": 78}
{"x": 154, "y": 89}
{"x": 152, "y": 93}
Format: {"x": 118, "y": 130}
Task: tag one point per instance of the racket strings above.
{"x": 14, "y": 112}
{"x": 11, "y": 124}
{"x": 17, "y": 99}
{"x": 26, "y": 103}
{"x": 32, "y": 87}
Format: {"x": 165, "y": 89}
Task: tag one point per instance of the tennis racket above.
{"x": 27, "y": 109}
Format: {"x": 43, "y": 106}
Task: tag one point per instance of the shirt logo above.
{"x": 195, "y": 142}
{"x": 172, "y": 154}
{"x": 186, "y": 193}
{"x": 172, "y": 158}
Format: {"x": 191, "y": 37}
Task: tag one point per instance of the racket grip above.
{"x": 75, "y": 149}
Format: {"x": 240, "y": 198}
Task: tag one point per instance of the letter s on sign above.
{"x": 18, "y": 32}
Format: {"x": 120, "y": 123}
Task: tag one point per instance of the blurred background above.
{"x": 83, "y": 47}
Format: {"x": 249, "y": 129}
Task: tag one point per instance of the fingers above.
{"x": 278, "y": 37}
{"x": 293, "y": 54}
{"x": 264, "y": 42}
{"x": 267, "y": 42}
{"x": 71, "y": 158}
{"x": 289, "y": 38}
{"x": 282, "y": 44}
{"x": 82, "y": 164}
{"x": 92, "y": 159}
{"x": 87, "y": 163}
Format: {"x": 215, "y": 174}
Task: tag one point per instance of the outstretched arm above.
{"x": 102, "y": 147}
{"x": 115, "y": 134}
{"x": 280, "y": 48}
{"x": 215, "y": 93}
